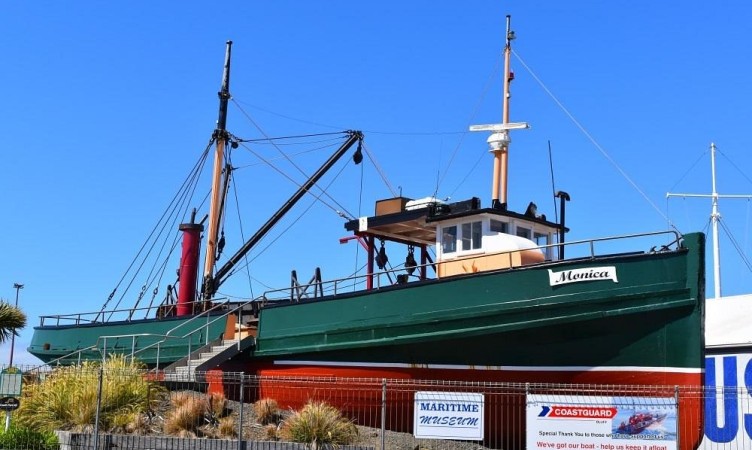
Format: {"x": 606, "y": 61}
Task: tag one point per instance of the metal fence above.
{"x": 92, "y": 408}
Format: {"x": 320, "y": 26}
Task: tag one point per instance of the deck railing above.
{"x": 657, "y": 241}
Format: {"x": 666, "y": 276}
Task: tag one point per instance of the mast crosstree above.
{"x": 715, "y": 217}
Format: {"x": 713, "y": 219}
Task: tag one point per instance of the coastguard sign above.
{"x": 449, "y": 415}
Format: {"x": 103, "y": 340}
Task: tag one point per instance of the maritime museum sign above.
{"x": 579, "y": 275}
{"x": 449, "y": 415}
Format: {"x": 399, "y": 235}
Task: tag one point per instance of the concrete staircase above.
{"x": 206, "y": 358}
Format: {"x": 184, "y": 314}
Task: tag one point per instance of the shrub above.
{"x": 19, "y": 437}
{"x": 66, "y": 398}
{"x": 227, "y": 428}
{"x": 271, "y": 432}
{"x": 267, "y": 411}
{"x": 193, "y": 414}
{"x": 186, "y": 415}
{"x": 318, "y": 423}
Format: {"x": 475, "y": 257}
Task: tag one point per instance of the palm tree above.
{"x": 11, "y": 319}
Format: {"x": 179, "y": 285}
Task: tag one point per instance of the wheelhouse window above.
{"x": 523, "y": 232}
{"x": 472, "y": 234}
{"x": 449, "y": 239}
{"x": 542, "y": 239}
{"x": 497, "y": 226}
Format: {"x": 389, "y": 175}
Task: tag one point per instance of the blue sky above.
{"x": 106, "y": 106}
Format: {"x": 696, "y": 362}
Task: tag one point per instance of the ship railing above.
{"x": 125, "y": 315}
{"x": 77, "y": 354}
{"x": 101, "y": 345}
{"x": 209, "y": 315}
{"x": 657, "y": 241}
{"x": 236, "y": 309}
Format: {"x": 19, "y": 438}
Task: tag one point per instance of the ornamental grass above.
{"x": 318, "y": 423}
{"x": 66, "y": 398}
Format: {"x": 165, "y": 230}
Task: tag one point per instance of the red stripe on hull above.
{"x": 293, "y": 385}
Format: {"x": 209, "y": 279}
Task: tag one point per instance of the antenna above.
{"x": 715, "y": 217}
{"x": 553, "y": 183}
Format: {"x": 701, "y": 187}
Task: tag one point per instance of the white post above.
{"x": 715, "y": 216}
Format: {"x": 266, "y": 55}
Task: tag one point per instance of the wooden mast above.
{"x": 221, "y": 138}
{"x": 499, "y": 140}
{"x": 501, "y": 157}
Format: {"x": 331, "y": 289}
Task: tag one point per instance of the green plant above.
{"x": 267, "y": 411}
{"x": 20, "y": 437}
{"x": 270, "y": 432}
{"x": 227, "y": 428}
{"x": 193, "y": 414}
{"x": 186, "y": 414}
{"x": 66, "y": 398}
{"x": 318, "y": 423}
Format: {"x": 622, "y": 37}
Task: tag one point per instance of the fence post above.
{"x": 676, "y": 403}
{"x": 240, "y": 414}
{"x": 383, "y": 411}
{"x": 99, "y": 407}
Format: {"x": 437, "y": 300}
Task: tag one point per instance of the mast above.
{"x": 715, "y": 217}
{"x": 211, "y": 284}
{"x": 221, "y": 137}
{"x": 501, "y": 158}
{"x": 499, "y": 140}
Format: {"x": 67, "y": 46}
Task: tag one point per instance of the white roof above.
{"x": 728, "y": 321}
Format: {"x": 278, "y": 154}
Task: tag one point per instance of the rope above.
{"x": 593, "y": 141}
{"x": 736, "y": 245}
{"x": 178, "y": 198}
{"x": 484, "y": 92}
{"x": 242, "y": 235}
{"x": 250, "y": 119}
{"x": 381, "y": 173}
{"x": 316, "y": 198}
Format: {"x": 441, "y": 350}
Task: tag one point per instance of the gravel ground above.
{"x": 368, "y": 437}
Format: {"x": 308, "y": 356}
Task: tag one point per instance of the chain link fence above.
{"x": 90, "y": 407}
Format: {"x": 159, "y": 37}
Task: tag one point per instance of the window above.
{"x": 523, "y": 232}
{"x": 541, "y": 239}
{"x": 498, "y": 226}
{"x": 449, "y": 239}
{"x": 471, "y": 235}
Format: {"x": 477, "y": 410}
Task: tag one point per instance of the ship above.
{"x": 639, "y": 422}
{"x": 485, "y": 294}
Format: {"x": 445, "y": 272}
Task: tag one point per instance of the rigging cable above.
{"x": 593, "y": 141}
{"x": 242, "y": 235}
{"x": 316, "y": 198}
{"x": 381, "y": 173}
{"x": 484, "y": 93}
{"x": 189, "y": 179}
{"x": 250, "y": 119}
{"x": 736, "y": 245}
{"x": 176, "y": 216}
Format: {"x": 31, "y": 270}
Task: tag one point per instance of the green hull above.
{"x": 145, "y": 339}
{"x": 651, "y": 318}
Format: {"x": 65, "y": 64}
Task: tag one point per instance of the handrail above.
{"x": 78, "y": 318}
{"x": 165, "y": 337}
{"x": 168, "y": 335}
{"x": 335, "y": 283}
